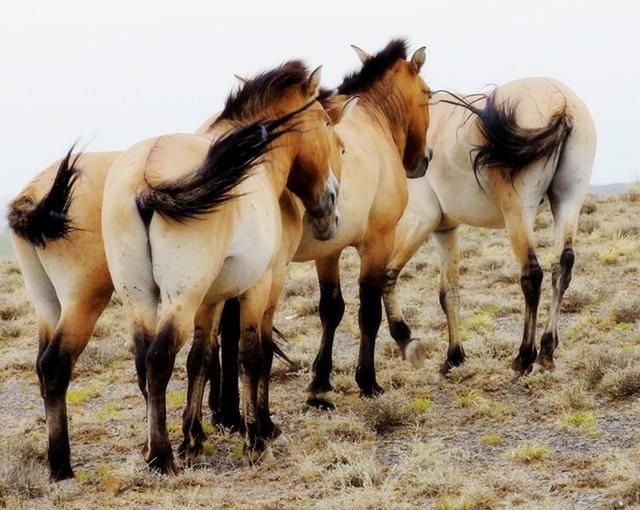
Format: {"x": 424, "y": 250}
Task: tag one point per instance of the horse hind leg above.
{"x": 450, "y": 295}
{"x": 55, "y": 366}
{"x": 198, "y": 367}
{"x": 566, "y": 195}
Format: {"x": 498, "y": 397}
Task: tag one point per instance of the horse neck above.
{"x": 388, "y": 108}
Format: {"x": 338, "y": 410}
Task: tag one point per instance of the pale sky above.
{"x": 114, "y": 72}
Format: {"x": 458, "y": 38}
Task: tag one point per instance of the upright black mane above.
{"x": 374, "y": 68}
{"x": 259, "y": 92}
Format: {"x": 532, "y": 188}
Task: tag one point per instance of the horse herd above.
{"x": 195, "y": 231}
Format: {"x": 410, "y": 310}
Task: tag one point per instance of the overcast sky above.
{"x": 114, "y": 72}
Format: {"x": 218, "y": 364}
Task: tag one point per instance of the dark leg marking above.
{"x": 369, "y": 317}
{"x": 54, "y": 367}
{"x": 530, "y": 282}
{"x": 331, "y": 313}
{"x": 229, "y": 413}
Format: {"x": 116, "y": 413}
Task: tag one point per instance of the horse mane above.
{"x": 509, "y": 146}
{"x": 250, "y": 100}
{"x": 374, "y": 68}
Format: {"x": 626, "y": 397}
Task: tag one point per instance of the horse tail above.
{"x": 277, "y": 350}
{"x": 47, "y": 219}
{"x": 228, "y": 162}
{"x": 509, "y": 146}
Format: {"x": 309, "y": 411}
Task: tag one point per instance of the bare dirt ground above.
{"x": 479, "y": 439}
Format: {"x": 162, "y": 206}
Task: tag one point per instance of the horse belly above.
{"x": 250, "y": 255}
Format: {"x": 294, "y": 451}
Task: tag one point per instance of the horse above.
{"x": 496, "y": 157}
{"x": 188, "y": 240}
{"x": 66, "y": 276}
{"x": 384, "y": 138}
{"x": 205, "y": 350}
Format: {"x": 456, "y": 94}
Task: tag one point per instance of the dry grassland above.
{"x": 478, "y": 439}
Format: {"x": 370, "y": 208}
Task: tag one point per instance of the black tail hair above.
{"x": 277, "y": 350}
{"x": 507, "y": 145}
{"x": 228, "y": 163}
{"x": 47, "y": 220}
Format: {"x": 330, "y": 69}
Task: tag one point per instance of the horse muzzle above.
{"x": 421, "y": 168}
{"x": 324, "y": 217}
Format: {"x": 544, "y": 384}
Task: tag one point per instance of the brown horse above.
{"x": 496, "y": 158}
{"x": 384, "y": 139}
{"x": 159, "y": 254}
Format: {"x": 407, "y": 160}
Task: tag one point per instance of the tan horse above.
{"x": 496, "y": 158}
{"x": 205, "y": 351}
{"x": 384, "y": 140}
{"x": 66, "y": 276}
{"x": 157, "y": 255}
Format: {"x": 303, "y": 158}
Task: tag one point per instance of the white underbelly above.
{"x": 250, "y": 254}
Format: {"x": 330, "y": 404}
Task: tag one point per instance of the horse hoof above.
{"x": 454, "y": 360}
{"x": 190, "y": 451}
{"x": 322, "y": 400}
{"x": 415, "y": 352}
{"x": 61, "y": 473}
{"x": 523, "y": 365}
{"x": 254, "y": 449}
{"x": 546, "y": 363}
{"x": 372, "y": 391}
{"x": 163, "y": 463}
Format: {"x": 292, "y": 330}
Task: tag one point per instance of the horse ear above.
{"x": 418, "y": 58}
{"x": 241, "y": 79}
{"x": 313, "y": 83}
{"x": 347, "y": 107}
{"x": 362, "y": 55}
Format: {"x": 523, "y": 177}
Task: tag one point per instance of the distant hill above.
{"x": 616, "y": 189}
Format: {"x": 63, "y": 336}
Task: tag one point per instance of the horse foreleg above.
{"x": 450, "y": 295}
{"x": 374, "y": 254}
{"x": 198, "y": 366}
{"x": 331, "y": 313}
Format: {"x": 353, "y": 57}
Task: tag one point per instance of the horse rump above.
{"x": 38, "y": 222}
{"x": 509, "y": 146}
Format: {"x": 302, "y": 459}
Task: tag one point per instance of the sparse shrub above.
{"x": 491, "y": 439}
{"x": 574, "y": 397}
{"x": 578, "y": 297}
{"x": 581, "y": 421}
{"x": 625, "y": 309}
{"x": 384, "y": 413}
{"x": 617, "y": 385}
{"x": 632, "y": 194}
{"x": 590, "y": 205}
{"x": 543, "y": 220}
{"x": 22, "y": 471}
{"x": 588, "y": 224}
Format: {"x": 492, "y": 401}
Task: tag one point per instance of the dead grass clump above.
{"x": 543, "y": 220}
{"x": 617, "y": 385}
{"x": 578, "y": 298}
{"x": 300, "y": 288}
{"x": 632, "y": 194}
{"x": 507, "y": 275}
{"x": 625, "y": 309}
{"x": 22, "y": 471}
{"x": 342, "y": 465}
{"x": 590, "y": 204}
{"x": 100, "y": 355}
{"x": 384, "y": 413}
{"x": 574, "y": 398}
{"x": 529, "y": 452}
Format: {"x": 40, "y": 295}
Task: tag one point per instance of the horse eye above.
{"x": 329, "y": 123}
{"x": 343, "y": 151}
